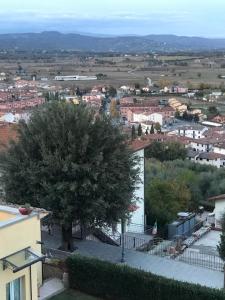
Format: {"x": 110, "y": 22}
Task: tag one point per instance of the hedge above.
{"x": 120, "y": 282}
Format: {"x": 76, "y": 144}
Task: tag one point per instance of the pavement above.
{"x": 157, "y": 265}
{"x": 210, "y": 239}
{"x": 50, "y": 288}
{"x": 151, "y": 263}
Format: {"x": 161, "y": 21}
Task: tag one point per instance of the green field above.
{"x": 73, "y": 295}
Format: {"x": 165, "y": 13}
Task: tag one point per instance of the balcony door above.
{"x": 14, "y": 290}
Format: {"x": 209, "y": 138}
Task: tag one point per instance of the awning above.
{"x": 21, "y": 260}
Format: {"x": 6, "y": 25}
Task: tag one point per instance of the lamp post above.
{"x": 122, "y": 240}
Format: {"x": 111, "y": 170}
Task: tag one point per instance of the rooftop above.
{"x": 7, "y": 133}
{"x": 211, "y": 155}
{"x": 10, "y": 216}
{"x": 218, "y": 197}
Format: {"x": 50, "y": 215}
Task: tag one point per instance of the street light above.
{"x": 122, "y": 240}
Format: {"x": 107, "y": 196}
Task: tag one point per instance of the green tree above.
{"x": 177, "y": 114}
{"x": 133, "y": 133}
{"x": 152, "y": 131}
{"x": 164, "y": 199}
{"x": 72, "y": 163}
{"x": 114, "y": 112}
{"x": 137, "y": 85}
{"x": 112, "y": 92}
{"x": 139, "y": 130}
{"x": 166, "y": 151}
{"x": 212, "y": 110}
{"x": 158, "y": 127}
{"x": 221, "y": 246}
{"x": 196, "y": 118}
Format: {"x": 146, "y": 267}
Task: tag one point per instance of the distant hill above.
{"x": 56, "y": 41}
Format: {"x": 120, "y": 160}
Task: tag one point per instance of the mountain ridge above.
{"x": 54, "y": 40}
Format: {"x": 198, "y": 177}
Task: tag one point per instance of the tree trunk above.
{"x": 83, "y": 231}
{"x": 67, "y": 241}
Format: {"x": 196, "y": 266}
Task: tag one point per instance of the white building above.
{"x": 201, "y": 145}
{"x": 145, "y": 117}
{"x": 212, "y": 159}
{"x": 219, "y": 209}
{"x": 219, "y": 148}
{"x": 137, "y": 219}
{"x": 74, "y": 77}
{"x": 193, "y": 131}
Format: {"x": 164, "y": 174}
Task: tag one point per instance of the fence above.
{"x": 205, "y": 260}
{"x": 133, "y": 242}
{"x": 160, "y": 247}
{"x": 55, "y": 253}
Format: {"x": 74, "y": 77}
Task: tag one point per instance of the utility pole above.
{"x": 122, "y": 240}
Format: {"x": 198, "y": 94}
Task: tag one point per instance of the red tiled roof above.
{"x": 146, "y": 140}
{"x": 218, "y": 197}
{"x": 8, "y": 132}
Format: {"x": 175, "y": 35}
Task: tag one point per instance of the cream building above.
{"x": 20, "y": 254}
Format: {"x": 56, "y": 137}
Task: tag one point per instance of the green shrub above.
{"x": 111, "y": 281}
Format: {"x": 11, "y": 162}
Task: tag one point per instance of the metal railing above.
{"x": 55, "y": 253}
{"x": 133, "y": 242}
{"x": 160, "y": 247}
{"x": 204, "y": 260}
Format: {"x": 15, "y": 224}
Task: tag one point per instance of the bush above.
{"x": 111, "y": 281}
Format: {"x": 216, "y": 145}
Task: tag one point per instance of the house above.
{"x": 192, "y": 131}
{"x": 219, "y": 209}
{"x": 219, "y": 119}
{"x": 202, "y": 144}
{"x": 20, "y": 254}
{"x": 96, "y": 97}
{"x": 211, "y": 158}
{"x": 146, "y": 116}
{"x": 219, "y": 148}
{"x": 177, "y": 105}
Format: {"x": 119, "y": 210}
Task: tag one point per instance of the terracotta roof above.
{"x": 137, "y": 145}
{"x": 8, "y": 132}
{"x": 218, "y": 197}
{"x": 146, "y": 140}
{"x": 211, "y": 155}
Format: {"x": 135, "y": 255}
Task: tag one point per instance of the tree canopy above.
{"x": 221, "y": 246}
{"x": 166, "y": 151}
{"x": 179, "y": 185}
{"x": 164, "y": 198}
{"x": 73, "y": 163}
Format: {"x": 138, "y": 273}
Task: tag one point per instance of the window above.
{"x": 14, "y": 290}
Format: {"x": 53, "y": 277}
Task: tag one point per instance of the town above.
{"x": 112, "y": 151}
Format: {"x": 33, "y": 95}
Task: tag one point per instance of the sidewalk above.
{"x": 157, "y": 265}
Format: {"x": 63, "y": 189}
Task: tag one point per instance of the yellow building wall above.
{"x": 17, "y": 237}
{"x": 5, "y": 216}
{"x": 9, "y": 276}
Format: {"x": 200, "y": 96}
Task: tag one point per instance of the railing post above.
{"x": 134, "y": 242}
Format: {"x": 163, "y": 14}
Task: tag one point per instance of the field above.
{"x": 119, "y": 69}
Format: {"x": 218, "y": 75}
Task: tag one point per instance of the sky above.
{"x": 115, "y": 17}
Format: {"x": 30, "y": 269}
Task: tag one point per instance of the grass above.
{"x": 74, "y": 295}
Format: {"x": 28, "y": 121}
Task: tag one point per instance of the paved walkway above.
{"x": 50, "y": 288}
{"x": 154, "y": 264}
